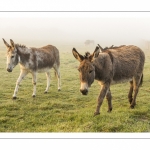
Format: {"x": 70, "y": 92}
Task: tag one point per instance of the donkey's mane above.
{"x": 19, "y": 45}
{"x": 113, "y": 47}
{"x": 87, "y": 54}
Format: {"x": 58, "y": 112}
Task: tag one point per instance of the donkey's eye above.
{"x": 90, "y": 71}
{"x": 12, "y": 56}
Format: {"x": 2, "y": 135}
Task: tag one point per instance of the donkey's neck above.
{"x": 22, "y": 49}
{"x": 23, "y": 54}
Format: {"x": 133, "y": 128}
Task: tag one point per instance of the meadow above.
{"x": 68, "y": 110}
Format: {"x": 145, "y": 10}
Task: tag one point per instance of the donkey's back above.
{"x": 45, "y": 57}
{"x": 127, "y": 61}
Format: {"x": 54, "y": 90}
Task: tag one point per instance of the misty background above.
{"x": 66, "y": 33}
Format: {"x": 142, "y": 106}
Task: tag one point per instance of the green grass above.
{"x": 68, "y": 110}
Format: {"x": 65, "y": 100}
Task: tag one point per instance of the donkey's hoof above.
{"x": 109, "y": 110}
{"x": 33, "y": 95}
{"x": 132, "y": 107}
{"x": 45, "y": 92}
{"x": 59, "y": 90}
{"x": 96, "y": 113}
{"x": 14, "y": 97}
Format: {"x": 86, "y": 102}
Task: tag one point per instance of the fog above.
{"x": 37, "y": 32}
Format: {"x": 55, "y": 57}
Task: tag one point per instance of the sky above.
{"x": 36, "y": 30}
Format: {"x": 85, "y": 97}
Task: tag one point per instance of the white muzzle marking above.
{"x": 84, "y": 86}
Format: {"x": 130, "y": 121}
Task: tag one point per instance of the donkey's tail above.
{"x": 141, "y": 82}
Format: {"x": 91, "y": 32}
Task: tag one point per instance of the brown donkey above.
{"x": 32, "y": 60}
{"x": 111, "y": 66}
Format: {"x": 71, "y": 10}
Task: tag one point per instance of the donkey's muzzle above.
{"x": 84, "y": 92}
{"x": 9, "y": 70}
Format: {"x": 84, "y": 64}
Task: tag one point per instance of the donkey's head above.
{"x": 86, "y": 69}
{"x": 12, "y": 57}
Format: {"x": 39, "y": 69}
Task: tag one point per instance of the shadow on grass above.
{"x": 140, "y": 115}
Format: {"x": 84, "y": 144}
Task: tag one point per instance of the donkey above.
{"x": 110, "y": 66}
{"x": 33, "y": 60}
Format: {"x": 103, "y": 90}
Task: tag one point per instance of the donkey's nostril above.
{"x": 84, "y": 92}
{"x": 9, "y": 70}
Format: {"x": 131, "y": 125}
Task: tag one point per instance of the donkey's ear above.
{"x": 95, "y": 54}
{"x": 77, "y": 55}
{"x": 12, "y": 43}
{"x": 6, "y": 43}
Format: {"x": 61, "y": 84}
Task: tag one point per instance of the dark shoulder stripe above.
{"x": 110, "y": 55}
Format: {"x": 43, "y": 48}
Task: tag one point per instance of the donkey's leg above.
{"x": 48, "y": 81}
{"x": 23, "y": 73}
{"x": 104, "y": 90}
{"x": 130, "y": 92}
{"x": 109, "y": 98}
{"x": 34, "y": 83}
{"x": 136, "y": 83}
{"x": 56, "y": 68}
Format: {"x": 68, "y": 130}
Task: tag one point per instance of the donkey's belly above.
{"x": 43, "y": 70}
{"x": 121, "y": 80}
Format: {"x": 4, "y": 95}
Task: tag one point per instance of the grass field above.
{"x": 68, "y": 110}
